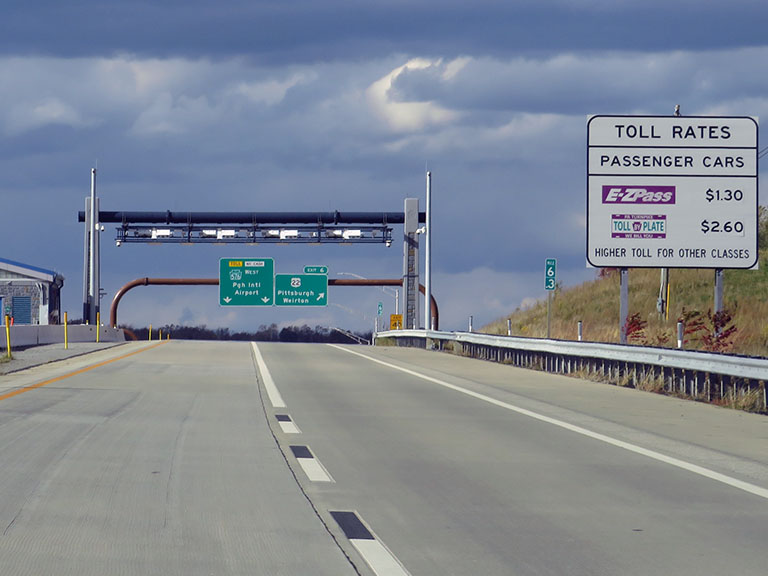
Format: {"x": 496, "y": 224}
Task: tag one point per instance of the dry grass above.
{"x": 751, "y": 401}
{"x": 596, "y": 304}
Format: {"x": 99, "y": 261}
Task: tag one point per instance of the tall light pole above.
{"x": 428, "y": 258}
{"x": 390, "y": 291}
{"x": 91, "y": 272}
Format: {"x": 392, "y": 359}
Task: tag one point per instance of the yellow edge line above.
{"x": 75, "y": 373}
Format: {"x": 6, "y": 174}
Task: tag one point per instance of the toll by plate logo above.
{"x": 638, "y": 226}
{"x": 638, "y": 194}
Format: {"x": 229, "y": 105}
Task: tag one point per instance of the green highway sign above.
{"x": 246, "y": 281}
{"x": 315, "y": 269}
{"x": 550, "y": 274}
{"x": 301, "y": 290}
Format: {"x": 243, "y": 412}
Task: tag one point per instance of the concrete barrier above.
{"x": 25, "y": 335}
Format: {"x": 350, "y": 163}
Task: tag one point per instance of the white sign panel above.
{"x": 672, "y": 192}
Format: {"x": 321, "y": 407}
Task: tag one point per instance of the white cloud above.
{"x": 407, "y": 116}
{"x": 167, "y": 115}
{"x": 269, "y": 92}
{"x": 585, "y": 83}
{"x": 483, "y": 293}
{"x": 26, "y": 116}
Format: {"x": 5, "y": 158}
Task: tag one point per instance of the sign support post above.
{"x": 623, "y": 304}
{"x": 549, "y": 313}
{"x": 718, "y": 292}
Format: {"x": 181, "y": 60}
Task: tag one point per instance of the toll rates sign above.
{"x": 672, "y": 192}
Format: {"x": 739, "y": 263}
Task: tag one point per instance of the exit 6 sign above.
{"x": 550, "y": 274}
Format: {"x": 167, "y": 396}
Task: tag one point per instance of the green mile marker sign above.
{"x": 550, "y": 274}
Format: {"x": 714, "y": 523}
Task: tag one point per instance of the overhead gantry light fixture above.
{"x": 289, "y": 234}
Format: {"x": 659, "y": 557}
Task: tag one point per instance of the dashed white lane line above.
{"x": 287, "y": 425}
{"x": 379, "y": 558}
{"x": 269, "y": 384}
{"x": 695, "y": 469}
{"x": 373, "y": 551}
{"x": 312, "y": 467}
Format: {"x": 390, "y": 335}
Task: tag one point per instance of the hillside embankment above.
{"x": 691, "y": 296}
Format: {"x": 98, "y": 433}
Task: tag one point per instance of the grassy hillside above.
{"x": 596, "y": 304}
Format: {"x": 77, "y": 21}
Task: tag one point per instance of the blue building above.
{"x": 28, "y": 294}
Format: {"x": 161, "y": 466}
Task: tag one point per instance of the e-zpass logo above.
{"x": 638, "y": 195}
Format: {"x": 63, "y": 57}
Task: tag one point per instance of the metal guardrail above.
{"x": 700, "y": 375}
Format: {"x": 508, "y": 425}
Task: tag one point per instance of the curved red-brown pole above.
{"x": 215, "y": 282}
{"x": 154, "y": 281}
{"x": 386, "y": 282}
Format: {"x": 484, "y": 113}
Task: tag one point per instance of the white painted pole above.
{"x": 428, "y": 259}
{"x": 92, "y": 295}
{"x": 718, "y": 290}
{"x": 87, "y": 262}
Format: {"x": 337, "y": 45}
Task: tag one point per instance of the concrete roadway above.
{"x": 359, "y": 460}
{"x": 159, "y": 463}
{"x": 460, "y": 484}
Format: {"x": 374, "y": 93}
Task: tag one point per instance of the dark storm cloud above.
{"x": 283, "y": 31}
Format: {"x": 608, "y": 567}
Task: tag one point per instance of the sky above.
{"x": 307, "y": 105}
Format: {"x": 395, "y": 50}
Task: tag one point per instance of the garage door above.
{"x": 22, "y": 310}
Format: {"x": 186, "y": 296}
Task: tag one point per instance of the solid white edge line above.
{"x": 381, "y": 560}
{"x": 315, "y": 471}
{"x": 274, "y": 395}
{"x": 701, "y": 471}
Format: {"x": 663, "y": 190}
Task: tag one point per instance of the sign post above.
{"x": 246, "y": 281}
